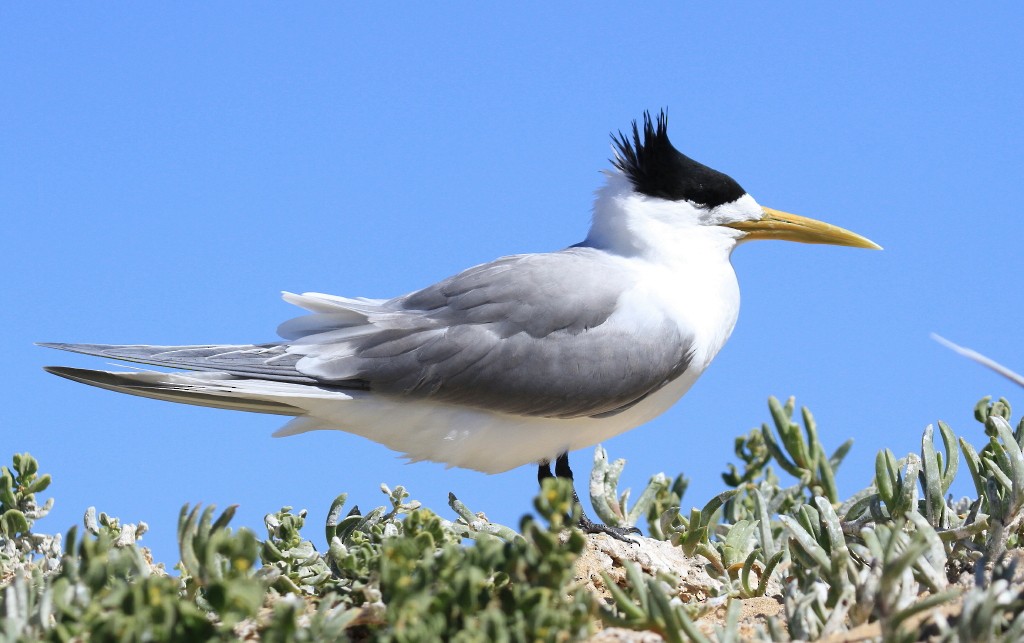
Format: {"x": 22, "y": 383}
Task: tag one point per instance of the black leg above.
{"x": 543, "y": 471}
{"x": 588, "y": 526}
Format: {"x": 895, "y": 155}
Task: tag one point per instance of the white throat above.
{"x": 679, "y": 256}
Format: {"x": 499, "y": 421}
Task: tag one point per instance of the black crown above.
{"x": 657, "y": 169}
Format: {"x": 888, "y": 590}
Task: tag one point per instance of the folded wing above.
{"x": 533, "y": 335}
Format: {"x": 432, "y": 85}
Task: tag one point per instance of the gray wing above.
{"x": 528, "y": 334}
{"x": 264, "y": 361}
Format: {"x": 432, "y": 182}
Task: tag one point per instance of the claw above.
{"x": 618, "y": 533}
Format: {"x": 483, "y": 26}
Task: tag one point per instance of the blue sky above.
{"x": 166, "y": 170}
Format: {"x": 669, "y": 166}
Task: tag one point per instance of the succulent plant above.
{"x": 899, "y": 557}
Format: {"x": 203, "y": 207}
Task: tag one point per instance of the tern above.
{"x": 516, "y": 361}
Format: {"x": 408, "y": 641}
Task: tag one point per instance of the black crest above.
{"x": 659, "y": 170}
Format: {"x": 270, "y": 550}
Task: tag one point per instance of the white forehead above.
{"x": 744, "y": 208}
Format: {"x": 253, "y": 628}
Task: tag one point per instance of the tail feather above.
{"x": 216, "y": 390}
{"x": 329, "y": 313}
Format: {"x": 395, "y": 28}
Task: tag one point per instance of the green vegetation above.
{"x": 900, "y": 557}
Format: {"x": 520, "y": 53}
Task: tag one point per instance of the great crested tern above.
{"x": 519, "y": 360}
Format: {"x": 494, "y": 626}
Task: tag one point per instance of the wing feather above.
{"x": 533, "y": 335}
{"x": 529, "y": 335}
{"x": 265, "y": 361}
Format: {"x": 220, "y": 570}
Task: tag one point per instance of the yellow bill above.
{"x": 776, "y": 224}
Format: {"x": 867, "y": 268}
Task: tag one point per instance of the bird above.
{"x": 516, "y": 361}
